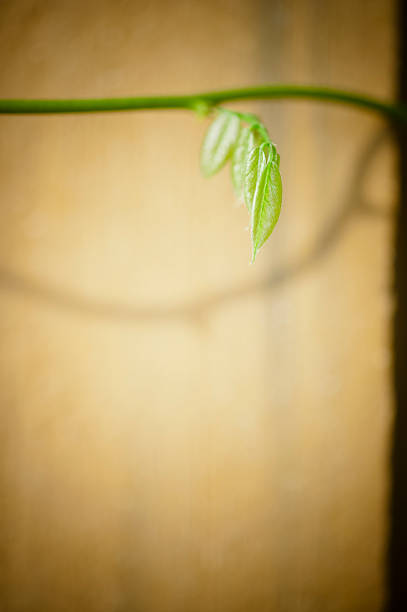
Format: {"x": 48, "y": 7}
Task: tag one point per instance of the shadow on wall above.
{"x": 352, "y": 204}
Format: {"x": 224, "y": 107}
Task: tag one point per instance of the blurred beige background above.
{"x": 181, "y": 430}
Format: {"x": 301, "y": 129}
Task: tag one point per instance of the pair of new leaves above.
{"x": 255, "y": 169}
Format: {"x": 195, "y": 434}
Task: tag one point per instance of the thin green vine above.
{"x": 235, "y": 136}
{"x": 203, "y": 102}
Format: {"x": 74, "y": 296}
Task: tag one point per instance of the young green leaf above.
{"x": 245, "y": 143}
{"x": 266, "y": 205}
{"x": 219, "y": 142}
{"x": 256, "y": 162}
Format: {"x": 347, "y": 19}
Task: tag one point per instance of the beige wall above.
{"x": 180, "y": 430}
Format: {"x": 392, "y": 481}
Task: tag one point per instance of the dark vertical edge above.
{"x": 397, "y": 558}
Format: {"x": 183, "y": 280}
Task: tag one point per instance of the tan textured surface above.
{"x": 174, "y": 436}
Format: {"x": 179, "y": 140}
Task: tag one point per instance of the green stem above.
{"x": 198, "y": 102}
